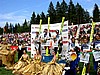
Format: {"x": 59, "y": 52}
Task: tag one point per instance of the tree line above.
{"x": 75, "y": 14}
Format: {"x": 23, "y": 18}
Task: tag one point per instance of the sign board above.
{"x": 96, "y": 55}
{"x": 53, "y": 28}
{"x": 84, "y": 57}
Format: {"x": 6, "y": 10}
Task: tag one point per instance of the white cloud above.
{"x": 13, "y": 17}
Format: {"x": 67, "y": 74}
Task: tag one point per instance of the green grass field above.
{"x": 3, "y": 71}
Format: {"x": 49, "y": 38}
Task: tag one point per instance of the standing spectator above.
{"x": 86, "y": 49}
{"x": 96, "y": 47}
{"x": 20, "y": 50}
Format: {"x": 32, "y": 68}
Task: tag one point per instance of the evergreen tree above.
{"x": 28, "y": 26}
{"x": 64, "y": 9}
{"x": 15, "y": 28}
{"x": 96, "y": 14}
{"x": 32, "y": 21}
{"x": 86, "y": 17}
{"x": 43, "y": 18}
{"x": 11, "y": 28}
{"x": 71, "y": 12}
{"x": 79, "y": 14}
{"x": 37, "y": 19}
{"x": 19, "y": 29}
{"x": 58, "y": 12}
{"x": 1, "y": 31}
{"x": 6, "y": 27}
{"x": 25, "y": 26}
{"x": 51, "y": 13}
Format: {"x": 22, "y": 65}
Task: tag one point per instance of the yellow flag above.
{"x": 47, "y": 51}
{"x": 40, "y": 25}
{"x": 84, "y": 70}
{"x": 48, "y": 23}
{"x": 63, "y": 18}
{"x": 92, "y": 31}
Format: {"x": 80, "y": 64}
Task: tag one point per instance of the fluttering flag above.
{"x": 40, "y": 26}
{"x": 84, "y": 70}
{"x": 48, "y": 23}
{"x": 63, "y": 18}
{"x": 92, "y": 31}
{"x": 47, "y": 52}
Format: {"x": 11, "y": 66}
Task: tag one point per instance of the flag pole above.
{"x": 40, "y": 26}
{"x": 48, "y": 24}
{"x": 63, "y": 18}
{"x": 92, "y": 31}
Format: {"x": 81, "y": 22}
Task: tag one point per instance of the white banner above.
{"x": 53, "y": 28}
{"x": 96, "y": 55}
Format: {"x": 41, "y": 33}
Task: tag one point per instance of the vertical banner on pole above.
{"x": 40, "y": 26}
{"x": 92, "y": 31}
{"x": 48, "y": 31}
{"x": 63, "y": 18}
{"x": 48, "y": 23}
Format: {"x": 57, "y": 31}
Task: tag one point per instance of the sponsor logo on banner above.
{"x": 64, "y": 30}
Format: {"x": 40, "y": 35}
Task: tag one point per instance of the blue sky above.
{"x": 16, "y": 11}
